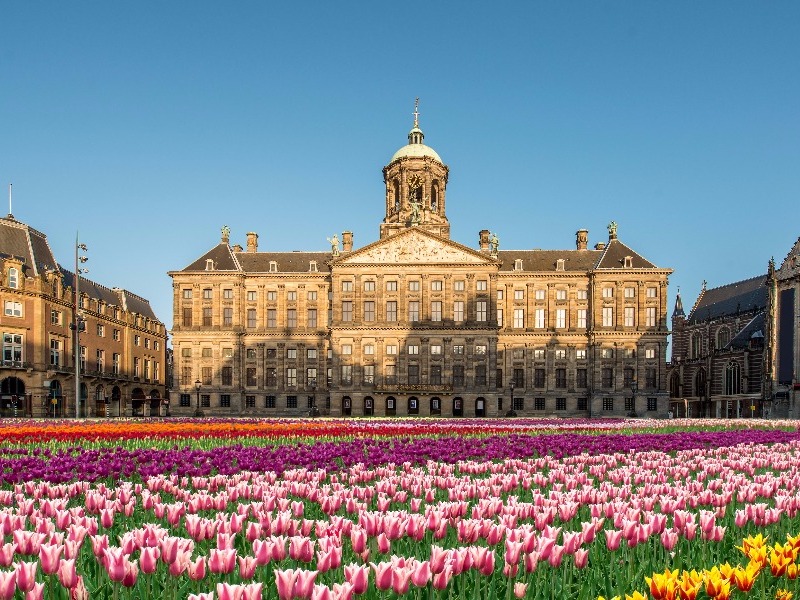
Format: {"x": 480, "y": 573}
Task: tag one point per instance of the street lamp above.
{"x": 197, "y": 385}
{"x": 634, "y": 389}
{"x": 78, "y": 324}
{"x": 510, "y": 412}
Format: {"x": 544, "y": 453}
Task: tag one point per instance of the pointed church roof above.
{"x": 731, "y": 299}
{"x": 678, "y": 312}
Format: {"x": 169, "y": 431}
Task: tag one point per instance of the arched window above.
{"x": 700, "y": 383}
{"x": 674, "y": 386}
{"x": 733, "y": 379}
{"x": 435, "y": 196}
{"x": 695, "y": 346}
{"x": 396, "y": 195}
{"x": 13, "y": 278}
{"x": 723, "y": 338}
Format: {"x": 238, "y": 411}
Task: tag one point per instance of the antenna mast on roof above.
{"x": 10, "y": 216}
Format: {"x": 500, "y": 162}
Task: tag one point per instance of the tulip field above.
{"x": 428, "y": 509}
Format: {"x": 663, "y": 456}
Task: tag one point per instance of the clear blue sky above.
{"x": 149, "y": 125}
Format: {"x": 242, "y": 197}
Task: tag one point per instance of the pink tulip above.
{"x": 7, "y": 554}
{"x": 228, "y": 591}
{"x": 613, "y": 538}
{"x": 196, "y": 569}
{"x": 305, "y": 583}
{"x": 148, "y": 559}
{"x": 358, "y": 576}
{"x": 531, "y": 561}
{"x": 301, "y": 548}
{"x": 252, "y": 591}
{"x": 49, "y": 556}
{"x": 358, "y": 538}
{"x": 421, "y": 574}
{"x": 99, "y": 544}
{"x": 343, "y": 591}
{"x": 384, "y": 545}
{"x": 581, "y": 557}
{"x": 285, "y": 581}
{"x": 114, "y": 562}
{"x": 67, "y": 574}
{"x": 401, "y": 579}
{"x": 383, "y": 575}
{"x": 180, "y": 564}
{"x": 36, "y": 592}
{"x": 131, "y": 573}
{"x": 8, "y": 585}
{"x": 520, "y": 589}
{"x": 221, "y": 561}
{"x": 204, "y": 596}
{"x": 321, "y": 592}
{"x": 442, "y": 579}
{"x": 26, "y": 575}
{"x": 438, "y": 559}
{"x": 247, "y": 567}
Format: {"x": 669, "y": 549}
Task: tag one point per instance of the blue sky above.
{"x": 147, "y": 126}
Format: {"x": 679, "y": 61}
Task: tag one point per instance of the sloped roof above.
{"x": 223, "y": 258}
{"x": 113, "y": 296}
{"x": 734, "y": 298}
{"x": 287, "y": 262}
{"x": 613, "y": 257}
{"x": 546, "y": 260}
{"x": 21, "y": 241}
{"x": 754, "y": 329}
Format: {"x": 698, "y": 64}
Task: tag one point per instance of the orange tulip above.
{"x": 689, "y": 585}
{"x": 791, "y": 571}
{"x": 750, "y": 542}
{"x": 783, "y": 595}
{"x": 663, "y": 586}
{"x": 744, "y": 578}
{"x": 715, "y": 582}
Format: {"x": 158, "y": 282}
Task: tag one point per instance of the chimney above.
{"x": 237, "y": 248}
{"x": 581, "y": 239}
{"x": 600, "y": 246}
{"x": 252, "y": 242}
{"x": 483, "y": 240}
{"x": 347, "y": 241}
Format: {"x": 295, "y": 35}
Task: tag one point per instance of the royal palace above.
{"x": 418, "y": 324}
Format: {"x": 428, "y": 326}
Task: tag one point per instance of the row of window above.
{"x": 414, "y": 285}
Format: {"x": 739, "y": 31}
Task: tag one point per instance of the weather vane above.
{"x": 416, "y": 113}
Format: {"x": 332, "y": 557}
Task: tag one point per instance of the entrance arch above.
{"x": 413, "y": 406}
{"x": 391, "y": 406}
{"x": 155, "y": 403}
{"x": 55, "y": 400}
{"x": 436, "y": 406}
{"x": 480, "y": 407}
{"x": 100, "y": 401}
{"x": 137, "y": 402}
{"x": 369, "y": 406}
{"x": 458, "y": 407}
{"x": 347, "y": 406}
{"x": 12, "y": 394}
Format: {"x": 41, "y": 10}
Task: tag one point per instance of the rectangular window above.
{"x": 207, "y": 294}
{"x": 347, "y": 286}
{"x": 12, "y": 349}
{"x": 436, "y": 375}
{"x": 369, "y": 310}
{"x": 561, "y": 353}
{"x": 480, "y": 374}
{"x": 115, "y": 368}
{"x": 458, "y": 375}
{"x": 101, "y": 360}
{"x": 369, "y": 374}
{"x": 271, "y": 377}
{"x": 480, "y": 310}
{"x": 347, "y": 311}
{"x": 369, "y": 285}
{"x": 250, "y": 353}
{"x": 608, "y": 404}
{"x": 13, "y": 309}
{"x": 291, "y": 376}
{"x": 227, "y": 294}
{"x": 186, "y": 376}
{"x": 630, "y": 404}
{"x": 650, "y": 377}
{"x": 518, "y": 403}
{"x": 311, "y": 317}
{"x": 519, "y": 378}
{"x": 581, "y": 314}
{"x": 583, "y": 404}
{"x": 391, "y": 310}
{"x": 539, "y": 404}
{"x": 55, "y": 317}
{"x": 608, "y": 292}
{"x": 652, "y": 292}
{"x": 347, "y": 375}
{"x": 458, "y": 349}
{"x": 630, "y": 292}
{"x": 291, "y": 353}
{"x": 650, "y": 316}
{"x": 650, "y": 353}
{"x": 291, "y": 296}
{"x": 249, "y": 401}
{"x": 582, "y": 295}
{"x": 311, "y": 353}
{"x": 227, "y": 316}
{"x": 500, "y": 294}
{"x": 252, "y": 295}
{"x": 608, "y": 316}
{"x": 251, "y": 318}
{"x": 436, "y": 349}
{"x": 391, "y": 286}
{"x": 480, "y": 285}
{"x": 206, "y": 352}
{"x": 291, "y": 401}
{"x": 272, "y": 296}
{"x": 413, "y": 286}
{"x": 206, "y": 374}
{"x": 561, "y": 378}
{"x": 519, "y": 318}
{"x": 458, "y": 286}
{"x": 561, "y": 294}
{"x": 225, "y": 400}
{"x": 519, "y": 294}
{"x": 185, "y": 400}
{"x": 499, "y": 317}
{"x": 205, "y": 400}
{"x": 412, "y": 349}
{"x": 629, "y": 316}
{"x": 539, "y": 294}
{"x": 272, "y": 317}
{"x": 311, "y": 296}
{"x": 413, "y": 374}
{"x": 436, "y": 285}
{"x": 458, "y": 311}
{"x": 369, "y": 349}
{"x": 270, "y": 401}
{"x": 436, "y": 310}
{"x": 561, "y": 404}
{"x": 480, "y": 350}
{"x": 607, "y": 377}
{"x": 207, "y": 315}
{"x": 391, "y": 349}
{"x": 652, "y": 404}
{"x": 606, "y": 353}
{"x": 101, "y": 330}
{"x": 561, "y": 318}
{"x": 539, "y": 354}
{"x": 187, "y": 294}
{"x": 311, "y": 377}
{"x": 580, "y": 354}
{"x": 347, "y": 349}
{"x": 390, "y": 374}
{"x": 291, "y": 318}
{"x": 413, "y": 311}
{"x": 581, "y": 379}
{"x": 538, "y": 318}
{"x": 227, "y": 375}
{"x": 250, "y": 377}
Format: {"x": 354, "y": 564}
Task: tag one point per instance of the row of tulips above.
{"x": 576, "y": 525}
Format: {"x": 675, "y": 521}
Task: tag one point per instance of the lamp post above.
{"x": 78, "y": 324}
{"x": 510, "y": 398}
{"x": 197, "y": 385}
{"x": 634, "y": 389}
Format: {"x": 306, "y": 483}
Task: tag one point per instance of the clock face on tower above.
{"x": 414, "y": 181}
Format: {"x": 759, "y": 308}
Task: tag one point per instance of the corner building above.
{"x": 417, "y": 324}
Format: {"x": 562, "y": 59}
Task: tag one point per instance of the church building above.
{"x": 416, "y": 323}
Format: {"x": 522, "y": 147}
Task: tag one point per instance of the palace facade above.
{"x": 122, "y": 347}
{"x": 418, "y": 324}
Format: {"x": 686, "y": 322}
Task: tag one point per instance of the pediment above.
{"x": 415, "y": 247}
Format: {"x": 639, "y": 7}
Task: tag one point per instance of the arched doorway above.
{"x": 55, "y": 400}
{"x": 458, "y": 407}
{"x": 391, "y": 406}
{"x": 84, "y": 405}
{"x": 12, "y": 395}
{"x": 480, "y": 407}
{"x": 436, "y": 406}
{"x": 413, "y": 405}
{"x": 369, "y": 406}
{"x": 347, "y": 406}
{"x": 100, "y": 401}
{"x": 700, "y": 391}
{"x": 137, "y": 402}
{"x": 155, "y": 403}
{"x": 116, "y": 402}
